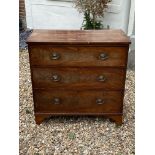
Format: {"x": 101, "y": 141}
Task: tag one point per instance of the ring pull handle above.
{"x": 56, "y": 78}
{"x": 56, "y": 100}
{"x": 103, "y": 56}
{"x": 100, "y": 101}
{"x": 55, "y": 56}
{"x": 101, "y": 78}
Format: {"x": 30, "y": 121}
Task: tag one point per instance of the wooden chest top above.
{"x": 112, "y": 37}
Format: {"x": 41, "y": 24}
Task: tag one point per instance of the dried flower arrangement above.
{"x": 92, "y": 10}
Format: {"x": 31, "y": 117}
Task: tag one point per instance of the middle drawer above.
{"x": 79, "y": 78}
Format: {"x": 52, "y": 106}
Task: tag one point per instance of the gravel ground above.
{"x": 73, "y": 135}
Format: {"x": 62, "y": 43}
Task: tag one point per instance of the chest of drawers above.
{"x": 78, "y": 72}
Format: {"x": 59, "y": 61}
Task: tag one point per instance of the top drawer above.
{"x": 46, "y": 55}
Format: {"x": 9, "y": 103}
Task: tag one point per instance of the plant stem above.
{"x": 93, "y": 20}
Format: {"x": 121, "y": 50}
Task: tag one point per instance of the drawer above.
{"x": 78, "y": 56}
{"x": 59, "y": 101}
{"x": 78, "y": 78}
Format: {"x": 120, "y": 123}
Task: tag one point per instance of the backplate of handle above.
{"x": 56, "y": 100}
{"x": 55, "y": 56}
{"x": 101, "y": 78}
{"x": 56, "y": 78}
{"x": 99, "y": 101}
{"x": 103, "y": 56}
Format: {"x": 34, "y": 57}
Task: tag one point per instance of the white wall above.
{"x": 54, "y": 14}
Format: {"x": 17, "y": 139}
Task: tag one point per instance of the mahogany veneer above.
{"x": 78, "y": 72}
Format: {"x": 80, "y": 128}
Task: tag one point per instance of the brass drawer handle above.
{"x": 101, "y": 78}
{"x": 56, "y": 100}
{"x": 100, "y": 101}
{"x": 55, "y": 56}
{"x": 103, "y": 56}
{"x": 56, "y": 78}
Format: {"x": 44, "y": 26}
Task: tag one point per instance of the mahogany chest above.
{"x": 78, "y": 72}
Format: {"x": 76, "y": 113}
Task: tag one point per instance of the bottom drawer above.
{"x": 78, "y": 101}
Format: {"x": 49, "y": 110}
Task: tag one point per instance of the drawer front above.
{"x": 59, "y": 101}
{"x": 78, "y": 56}
{"x": 79, "y": 78}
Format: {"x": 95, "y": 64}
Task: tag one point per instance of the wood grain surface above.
{"x": 79, "y": 78}
{"x": 78, "y": 56}
{"x": 78, "y": 101}
{"x": 79, "y": 37}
